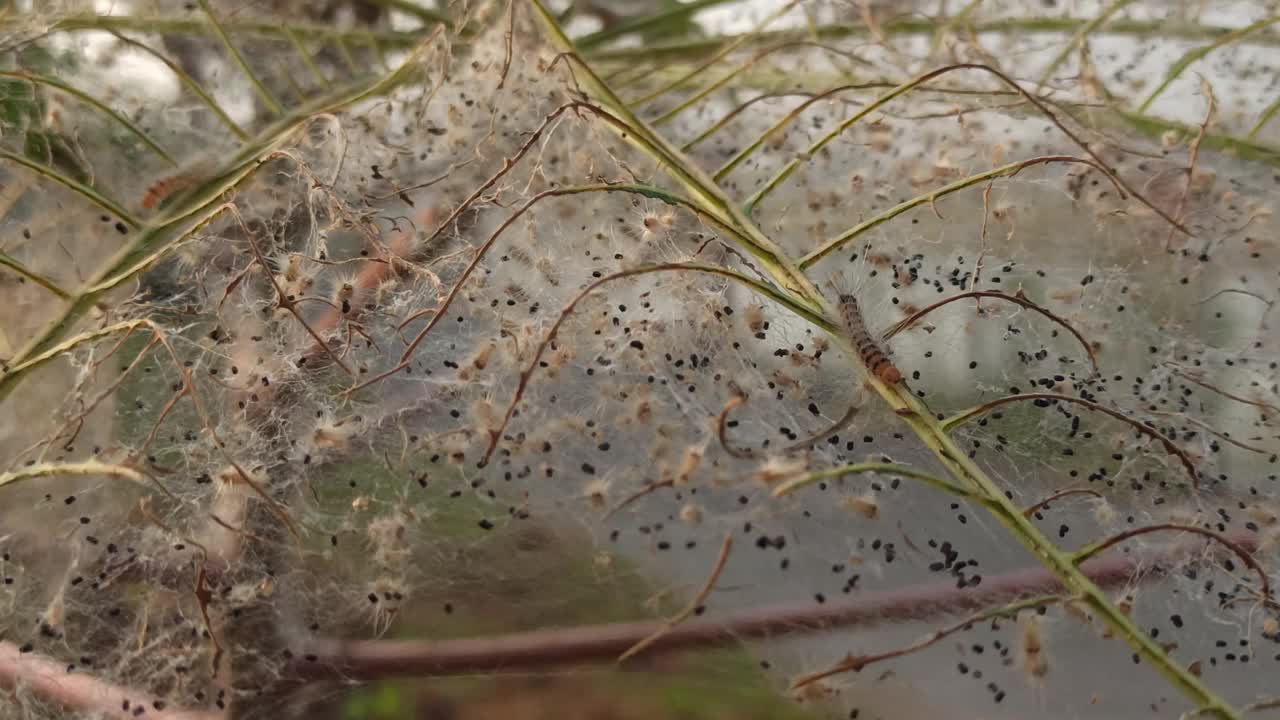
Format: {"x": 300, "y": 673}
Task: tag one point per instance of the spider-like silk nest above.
{"x": 317, "y": 511}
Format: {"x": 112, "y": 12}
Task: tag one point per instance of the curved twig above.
{"x": 259, "y": 89}
{"x": 790, "y": 486}
{"x": 1017, "y": 298}
{"x": 1060, "y": 494}
{"x": 74, "y": 186}
{"x": 1239, "y": 551}
{"x": 722, "y": 431}
{"x": 855, "y": 663}
{"x": 645, "y": 190}
{"x": 1189, "y": 378}
{"x": 689, "y": 609}
{"x": 767, "y": 290}
{"x": 1077, "y": 37}
{"x": 721, "y": 53}
{"x": 1216, "y": 433}
{"x": 760, "y": 139}
{"x": 33, "y": 276}
{"x": 743, "y": 67}
{"x": 187, "y": 81}
{"x": 85, "y": 467}
{"x": 93, "y": 102}
{"x": 716, "y": 126}
{"x": 930, "y": 197}
{"x": 907, "y": 86}
{"x": 1169, "y": 446}
{"x": 648, "y": 489}
{"x": 1182, "y": 63}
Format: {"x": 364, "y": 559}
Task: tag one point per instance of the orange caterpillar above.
{"x": 167, "y": 187}
{"x": 872, "y": 356}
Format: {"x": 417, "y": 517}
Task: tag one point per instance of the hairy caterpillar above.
{"x": 167, "y": 187}
{"x": 187, "y": 177}
{"x": 874, "y": 358}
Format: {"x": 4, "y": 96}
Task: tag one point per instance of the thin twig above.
{"x": 1060, "y": 494}
{"x": 855, "y": 663}
{"x": 1192, "y": 379}
{"x": 1168, "y": 444}
{"x": 1017, "y": 298}
{"x": 1240, "y": 552}
{"x": 693, "y": 606}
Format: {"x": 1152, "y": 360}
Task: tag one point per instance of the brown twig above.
{"x": 1191, "y": 379}
{"x": 1169, "y": 446}
{"x": 648, "y": 488}
{"x": 1060, "y": 494}
{"x": 495, "y": 434}
{"x": 689, "y": 609}
{"x": 1209, "y": 429}
{"x": 367, "y": 660}
{"x": 1017, "y": 299}
{"x": 1234, "y": 547}
{"x": 722, "y": 429}
{"x": 722, "y": 422}
{"x": 855, "y": 663}
{"x": 284, "y": 301}
{"x": 1193, "y": 152}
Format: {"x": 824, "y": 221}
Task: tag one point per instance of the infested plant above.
{"x": 925, "y": 352}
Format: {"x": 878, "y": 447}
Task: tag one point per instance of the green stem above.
{"x": 1245, "y": 149}
{"x": 1078, "y": 37}
{"x": 199, "y": 204}
{"x": 1264, "y": 118}
{"x": 807, "y": 479}
{"x": 93, "y": 102}
{"x": 700, "y": 47}
{"x": 165, "y": 25}
{"x": 787, "y": 274}
{"x": 697, "y": 70}
{"x": 75, "y": 186}
{"x": 263, "y": 93}
{"x": 33, "y": 276}
{"x": 645, "y": 23}
{"x": 852, "y": 233}
{"x": 188, "y": 82}
{"x": 1190, "y": 57}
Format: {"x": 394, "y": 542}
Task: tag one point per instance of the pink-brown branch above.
{"x": 542, "y": 649}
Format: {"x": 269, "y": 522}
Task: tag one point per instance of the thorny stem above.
{"x": 915, "y": 413}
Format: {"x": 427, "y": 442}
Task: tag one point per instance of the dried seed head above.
{"x": 777, "y": 468}
{"x": 1034, "y": 661}
{"x": 691, "y": 514}
{"x": 865, "y": 505}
